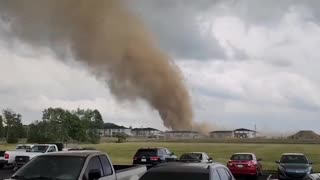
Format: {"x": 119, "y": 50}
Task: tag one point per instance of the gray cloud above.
{"x": 176, "y": 27}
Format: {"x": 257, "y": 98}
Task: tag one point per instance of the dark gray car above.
{"x": 294, "y": 166}
{"x": 153, "y": 156}
{"x": 188, "y": 171}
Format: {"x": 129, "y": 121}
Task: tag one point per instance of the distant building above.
{"x": 182, "y": 135}
{"x": 222, "y": 134}
{"x": 244, "y": 133}
{"x": 305, "y": 135}
{"x": 110, "y": 130}
{"x": 146, "y": 132}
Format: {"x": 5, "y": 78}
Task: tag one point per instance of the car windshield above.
{"x": 175, "y": 176}
{"x": 195, "y": 156}
{"x": 242, "y": 157}
{"x": 41, "y": 149}
{"x": 146, "y": 152}
{"x": 294, "y": 159}
{"x": 55, "y": 167}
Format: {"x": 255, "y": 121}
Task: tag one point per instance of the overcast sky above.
{"x": 245, "y": 62}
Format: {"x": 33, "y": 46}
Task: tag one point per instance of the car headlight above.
{"x": 281, "y": 168}
{"x": 308, "y": 170}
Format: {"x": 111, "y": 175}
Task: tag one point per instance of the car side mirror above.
{"x": 171, "y": 154}
{"x": 310, "y": 162}
{"x": 278, "y": 162}
{"x": 259, "y": 159}
{"x": 28, "y": 150}
{"x": 210, "y": 159}
{"x": 94, "y": 174}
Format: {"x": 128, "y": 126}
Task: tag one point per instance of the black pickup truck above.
{"x": 80, "y": 165}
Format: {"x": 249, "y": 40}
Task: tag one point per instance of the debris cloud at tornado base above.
{"x": 113, "y": 44}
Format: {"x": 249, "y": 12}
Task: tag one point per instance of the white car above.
{"x": 35, "y": 151}
{"x": 9, "y": 156}
{"x": 196, "y": 156}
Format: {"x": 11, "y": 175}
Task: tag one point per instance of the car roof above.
{"x": 195, "y": 153}
{"x": 184, "y": 167}
{"x": 152, "y": 148}
{"x": 44, "y": 145}
{"x": 74, "y": 153}
{"x": 243, "y": 153}
{"x": 298, "y": 154}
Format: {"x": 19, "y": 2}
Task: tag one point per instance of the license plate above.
{"x": 240, "y": 166}
{"x": 143, "y": 160}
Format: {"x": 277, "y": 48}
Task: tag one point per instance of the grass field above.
{"x": 122, "y": 153}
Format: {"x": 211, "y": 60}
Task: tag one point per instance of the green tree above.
{"x": 1, "y": 127}
{"x": 56, "y": 118}
{"x": 14, "y": 127}
{"x": 121, "y": 137}
{"x": 39, "y": 132}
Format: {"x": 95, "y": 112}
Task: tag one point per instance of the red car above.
{"x": 245, "y": 164}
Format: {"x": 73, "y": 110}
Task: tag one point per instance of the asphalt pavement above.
{"x": 6, "y": 173}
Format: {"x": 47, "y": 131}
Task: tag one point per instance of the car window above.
{"x": 64, "y": 167}
{"x": 167, "y": 151}
{"x": 94, "y": 163}
{"x": 175, "y": 176}
{"x": 242, "y": 157}
{"x": 214, "y": 175}
{"x": 52, "y": 149}
{"x": 146, "y": 152}
{"x": 222, "y": 173}
{"x": 161, "y": 152}
{"x": 39, "y": 148}
{"x": 189, "y": 156}
{"x": 294, "y": 159}
{"x": 107, "y": 169}
{"x": 205, "y": 156}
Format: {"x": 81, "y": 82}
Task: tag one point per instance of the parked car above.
{"x": 3, "y": 162}
{"x": 153, "y": 156}
{"x": 8, "y": 157}
{"x": 81, "y": 165}
{"x": 315, "y": 176}
{"x": 36, "y": 150}
{"x": 294, "y": 166}
{"x": 188, "y": 171}
{"x": 245, "y": 164}
{"x": 196, "y": 156}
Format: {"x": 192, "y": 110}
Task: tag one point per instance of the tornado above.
{"x": 114, "y": 45}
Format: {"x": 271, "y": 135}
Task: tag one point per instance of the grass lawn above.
{"x": 122, "y": 153}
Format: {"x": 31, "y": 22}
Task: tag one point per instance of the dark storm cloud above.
{"x": 177, "y": 29}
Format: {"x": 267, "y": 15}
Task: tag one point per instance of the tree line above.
{"x": 57, "y": 125}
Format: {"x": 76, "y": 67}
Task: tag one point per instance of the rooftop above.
{"x": 113, "y": 126}
{"x": 145, "y": 129}
{"x": 182, "y": 132}
{"x": 244, "y": 129}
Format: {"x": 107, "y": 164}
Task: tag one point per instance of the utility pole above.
{"x": 255, "y": 130}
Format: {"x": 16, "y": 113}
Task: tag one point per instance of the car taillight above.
{"x": 230, "y": 163}
{"x": 6, "y": 156}
{"x": 251, "y": 164}
{"x": 154, "y": 158}
{"x": 135, "y": 158}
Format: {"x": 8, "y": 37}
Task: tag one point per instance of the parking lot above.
{"x": 6, "y": 173}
